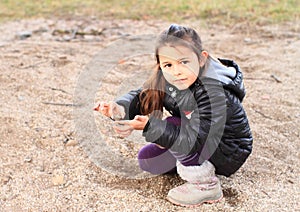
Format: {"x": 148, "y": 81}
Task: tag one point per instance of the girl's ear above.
{"x": 204, "y": 55}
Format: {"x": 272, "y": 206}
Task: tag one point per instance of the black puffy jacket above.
{"x": 213, "y": 121}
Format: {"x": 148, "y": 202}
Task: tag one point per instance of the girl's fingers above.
{"x": 122, "y": 127}
{"x": 97, "y": 108}
{"x": 123, "y": 133}
{"x": 111, "y": 109}
{"x": 103, "y": 108}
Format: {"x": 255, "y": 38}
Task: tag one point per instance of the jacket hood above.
{"x": 218, "y": 71}
{"x": 228, "y": 73}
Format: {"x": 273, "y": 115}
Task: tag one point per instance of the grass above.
{"x": 225, "y": 11}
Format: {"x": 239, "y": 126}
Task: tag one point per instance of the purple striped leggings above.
{"x": 157, "y": 160}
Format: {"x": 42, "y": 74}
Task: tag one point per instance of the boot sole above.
{"x": 210, "y": 201}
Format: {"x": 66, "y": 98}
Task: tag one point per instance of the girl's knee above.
{"x": 144, "y": 165}
{"x": 154, "y": 159}
{"x": 150, "y": 151}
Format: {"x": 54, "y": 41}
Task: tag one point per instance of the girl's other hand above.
{"x": 111, "y": 109}
{"x": 138, "y": 123}
{"x": 122, "y": 129}
{"x": 125, "y": 128}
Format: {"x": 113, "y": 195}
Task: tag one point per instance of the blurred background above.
{"x": 222, "y": 11}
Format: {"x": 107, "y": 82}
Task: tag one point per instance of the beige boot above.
{"x": 202, "y": 186}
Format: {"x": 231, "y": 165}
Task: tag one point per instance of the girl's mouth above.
{"x": 180, "y": 80}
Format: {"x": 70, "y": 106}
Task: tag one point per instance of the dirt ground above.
{"x": 43, "y": 166}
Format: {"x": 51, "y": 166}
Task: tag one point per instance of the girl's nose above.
{"x": 176, "y": 70}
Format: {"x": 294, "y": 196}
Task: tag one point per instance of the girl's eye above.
{"x": 167, "y": 66}
{"x": 184, "y": 62}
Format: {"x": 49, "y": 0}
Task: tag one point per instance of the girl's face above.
{"x": 180, "y": 65}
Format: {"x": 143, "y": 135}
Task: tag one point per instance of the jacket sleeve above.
{"x": 203, "y": 130}
{"x": 131, "y": 103}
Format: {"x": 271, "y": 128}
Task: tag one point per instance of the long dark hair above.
{"x": 153, "y": 92}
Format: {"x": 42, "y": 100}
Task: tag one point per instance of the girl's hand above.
{"x": 138, "y": 123}
{"x": 111, "y": 109}
{"x": 125, "y": 128}
{"x": 122, "y": 129}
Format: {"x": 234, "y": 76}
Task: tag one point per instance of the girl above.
{"x": 207, "y": 133}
